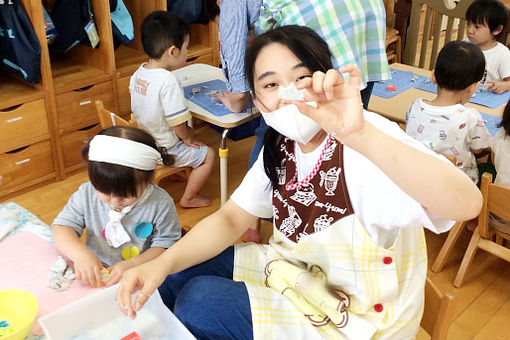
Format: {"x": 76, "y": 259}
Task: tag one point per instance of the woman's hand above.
{"x": 145, "y": 278}
{"x": 339, "y": 108}
{"x": 87, "y": 267}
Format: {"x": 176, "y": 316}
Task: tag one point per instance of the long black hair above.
{"x": 505, "y": 120}
{"x": 310, "y": 49}
{"x": 119, "y": 180}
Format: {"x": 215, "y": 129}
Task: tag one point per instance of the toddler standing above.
{"x": 128, "y": 219}
{"x": 158, "y": 104}
{"x": 486, "y": 20}
{"x": 444, "y": 124}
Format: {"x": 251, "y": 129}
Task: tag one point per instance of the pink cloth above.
{"x": 26, "y": 262}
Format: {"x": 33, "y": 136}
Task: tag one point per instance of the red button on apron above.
{"x": 387, "y": 260}
{"x": 378, "y": 307}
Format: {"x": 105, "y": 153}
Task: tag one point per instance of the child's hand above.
{"x": 194, "y": 143}
{"x": 339, "y": 108}
{"x": 496, "y": 86}
{"x": 87, "y": 267}
{"x": 115, "y": 273}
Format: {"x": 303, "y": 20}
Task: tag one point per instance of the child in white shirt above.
{"x": 158, "y": 104}
{"x": 444, "y": 124}
{"x": 486, "y": 20}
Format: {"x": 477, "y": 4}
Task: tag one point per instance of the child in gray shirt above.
{"x": 128, "y": 219}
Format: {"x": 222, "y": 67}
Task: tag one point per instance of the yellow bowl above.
{"x": 19, "y": 308}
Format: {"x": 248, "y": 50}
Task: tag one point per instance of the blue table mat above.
{"x": 485, "y": 98}
{"x": 491, "y": 123}
{"x": 403, "y": 80}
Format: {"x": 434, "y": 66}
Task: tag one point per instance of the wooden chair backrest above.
{"x": 389, "y": 7}
{"x": 438, "y": 311}
{"x": 434, "y": 12}
{"x": 496, "y": 200}
{"x": 108, "y": 119}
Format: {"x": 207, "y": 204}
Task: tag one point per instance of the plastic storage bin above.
{"x": 97, "y": 316}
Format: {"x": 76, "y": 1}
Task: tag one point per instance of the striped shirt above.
{"x": 355, "y": 32}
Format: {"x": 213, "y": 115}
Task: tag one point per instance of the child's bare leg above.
{"x": 253, "y": 234}
{"x": 197, "y": 178}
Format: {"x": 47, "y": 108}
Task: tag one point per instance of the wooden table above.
{"x": 199, "y": 73}
{"x": 395, "y": 108}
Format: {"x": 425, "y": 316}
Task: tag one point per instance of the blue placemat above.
{"x": 403, "y": 80}
{"x": 484, "y": 98}
{"x": 204, "y": 97}
{"x": 490, "y": 99}
{"x": 491, "y": 122}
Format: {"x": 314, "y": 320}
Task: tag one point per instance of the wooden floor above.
{"x": 483, "y": 303}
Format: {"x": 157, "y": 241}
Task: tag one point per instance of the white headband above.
{"x": 125, "y": 152}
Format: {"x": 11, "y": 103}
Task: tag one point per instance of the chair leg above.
{"x": 499, "y": 240}
{"x": 447, "y": 247}
{"x": 398, "y": 49}
{"x": 468, "y": 258}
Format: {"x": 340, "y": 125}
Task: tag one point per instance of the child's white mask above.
{"x": 291, "y": 123}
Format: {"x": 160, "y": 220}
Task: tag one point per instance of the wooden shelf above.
{"x": 69, "y": 74}
{"x": 127, "y": 60}
{"x": 14, "y": 91}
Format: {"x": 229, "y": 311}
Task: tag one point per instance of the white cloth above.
{"x": 115, "y": 233}
{"x": 449, "y": 130}
{"x": 497, "y": 63}
{"x": 368, "y": 187}
{"x": 158, "y": 102}
{"x": 124, "y": 152}
{"x": 501, "y": 149}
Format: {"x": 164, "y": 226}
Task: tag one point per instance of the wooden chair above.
{"x": 434, "y": 11}
{"x": 108, "y": 119}
{"x": 438, "y": 311}
{"x": 496, "y": 199}
{"x": 393, "y": 42}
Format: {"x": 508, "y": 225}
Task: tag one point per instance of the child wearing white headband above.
{"x": 129, "y": 220}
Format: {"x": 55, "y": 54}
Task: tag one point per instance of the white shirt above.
{"x": 382, "y": 207}
{"x": 501, "y": 148}
{"x": 158, "y": 102}
{"x": 450, "y": 131}
{"x": 497, "y": 62}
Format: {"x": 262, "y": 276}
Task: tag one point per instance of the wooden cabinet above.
{"x": 43, "y": 127}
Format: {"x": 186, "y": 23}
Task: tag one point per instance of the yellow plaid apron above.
{"x": 384, "y": 288}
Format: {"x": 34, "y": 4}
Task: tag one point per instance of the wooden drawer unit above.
{"x": 26, "y": 166}
{"x": 23, "y": 125}
{"x": 75, "y": 109}
{"x": 202, "y": 59}
{"x": 73, "y": 142}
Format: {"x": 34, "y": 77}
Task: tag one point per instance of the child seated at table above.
{"x": 444, "y": 124}
{"x": 158, "y": 104}
{"x": 486, "y": 20}
{"x": 128, "y": 219}
{"x": 501, "y": 158}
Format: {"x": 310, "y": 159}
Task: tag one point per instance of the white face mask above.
{"x": 291, "y": 123}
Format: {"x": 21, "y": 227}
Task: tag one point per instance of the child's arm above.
{"x": 117, "y": 270}
{"x": 499, "y": 86}
{"x": 418, "y": 174}
{"x": 187, "y": 135}
{"x": 86, "y": 264}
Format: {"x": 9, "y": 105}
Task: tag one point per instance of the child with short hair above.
{"x": 128, "y": 219}
{"x": 444, "y": 124}
{"x": 486, "y": 20}
{"x": 159, "y": 106}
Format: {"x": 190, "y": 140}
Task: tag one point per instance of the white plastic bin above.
{"x": 97, "y": 316}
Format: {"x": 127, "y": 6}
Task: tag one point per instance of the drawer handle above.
{"x": 191, "y": 59}
{"x": 26, "y": 160}
{"x": 12, "y": 120}
{"x": 83, "y": 88}
{"x": 10, "y": 108}
{"x": 90, "y": 127}
{"x": 85, "y": 102}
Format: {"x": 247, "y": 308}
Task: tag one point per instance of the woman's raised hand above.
{"x": 339, "y": 108}
{"x": 145, "y": 278}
